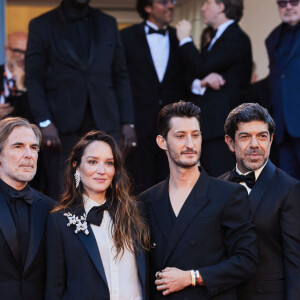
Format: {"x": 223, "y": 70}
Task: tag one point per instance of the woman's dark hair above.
{"x": 129, "y": 230}
{"x": 140, "y": 7}
{"x": 247, "y": 112}
{"x": 180, "y": 109}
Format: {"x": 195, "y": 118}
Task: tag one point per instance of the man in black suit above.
{"x": 13, "y": 95}
{"x": 23, "y": 213}
{"x": 274, "y": 199}
{"x": 157, "y": 78}
{"x": 229, "y": 55}
{"x": 283, "y": 46}
{"x": 203, "y": 242}
{"x": 77, "y": 81}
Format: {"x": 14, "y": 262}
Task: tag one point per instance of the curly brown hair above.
{"x": 130, "y": 229}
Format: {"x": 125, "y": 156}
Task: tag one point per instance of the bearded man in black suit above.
{"x": 157, "y": 78}
{"x": 77, "y": 81}
{"x": 274, "y": 199}
{"x": 203, "y": 242}
{"x": 23, "y": 213}
{"x": 223, "y": 75}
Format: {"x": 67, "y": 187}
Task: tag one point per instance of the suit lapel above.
{"x": 8, "y": 228}
{"x": 38, "y": 216}
{"x": 141, "y": 266}
{"x": 173, "y": 45}
{"x": 162, "y": 215}
{"x": 145, "y": 51}
{"x": 90, "y": 245}
{"x": 97, "y": 25}
{"x": 1, "y": 78}
{"x": 194, "y": 203}
{"x": 260, "y": 186}
{"x": 63, "y": 41}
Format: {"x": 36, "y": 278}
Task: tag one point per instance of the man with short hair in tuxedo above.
{"x": 222, "y": 73}
{"x": 157, "y": 78}
{"x": 203, "y": 242}
{"x": 23, "y": 213}
{"x": 274, "y": 199}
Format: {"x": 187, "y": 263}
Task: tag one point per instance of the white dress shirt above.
{"x": 197, "y": 89}
{"x": 121, "y": 272}
{"x": 256, "y": 174}
{"x": 9, "y": 76}
{"x": 160, "y": 50}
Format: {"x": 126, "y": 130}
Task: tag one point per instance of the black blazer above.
{"x": 27, "y": 283}
{"x": 231, "y": 57}
{"x": 74, "y": 266}
{"x": 60, "y": 84}
{"x": 284, "y": 85}
{"x": 149, "y": 94}
{"x": 275, "y": 209}
{"x": 212, "y": 233}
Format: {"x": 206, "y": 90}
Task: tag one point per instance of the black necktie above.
{"x": 21, "y": 199}
{"x": 95, "y": 215}
{"x": 249, "y": 179}
{"x": 159, "y": 31}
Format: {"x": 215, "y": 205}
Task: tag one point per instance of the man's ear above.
{"x": 271, "y": 139}
{"x": 230, "y": 143}
{"x": 148, "y": 9}
{"x": 221, "y": 7}
{"x": 161, "y": 142}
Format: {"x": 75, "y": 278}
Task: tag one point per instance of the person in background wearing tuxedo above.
{"x": 99, "y": 256}
{"x": 203, "y": 242}
{"x": 13, "y": 95}
{"x": 157, "y": 78}
{"x": 283, "y": 46}
{"x": 23, "y": 213}
{"x": 274, "y": 199}
{"x": 77, "y": 81}
{"x": 225, "y": 72}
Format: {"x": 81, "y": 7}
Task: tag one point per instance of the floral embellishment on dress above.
{"x": 79, "y": 222}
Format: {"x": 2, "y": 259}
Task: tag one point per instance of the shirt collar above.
{"x": 89, "y": 203}
{"x": 256, "y": 172}
{"x": 152, "y": 25}
{"x": 223, "y": 27}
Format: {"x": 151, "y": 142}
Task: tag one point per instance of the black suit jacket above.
{"x": 27, "y": 283}
{"x": 212, "y": 233}
{"x": 20, "y": 102}
{"x": 74, "y": 266}
{"x": 60, "y": 84}
{"x": 285, "y": 88}
{"x": 149, "y": 94}
{"x": 231, "y": 57}
{"x": 275, "y": 209}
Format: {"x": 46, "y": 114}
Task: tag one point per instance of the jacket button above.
{"x": 192, "y": 242}
{"x": 160, "y": 102}
{"x": 283, "y": 76}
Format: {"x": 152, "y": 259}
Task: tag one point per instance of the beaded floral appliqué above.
{"x": 79, "y": 222}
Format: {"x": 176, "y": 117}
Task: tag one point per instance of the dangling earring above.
{"x": 77, "y": 178}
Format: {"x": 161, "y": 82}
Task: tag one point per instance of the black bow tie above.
{"x": 24, "y": 195}
{"x": 160, "y": 31}
{"x": 95, "y": 215}
{"x": 249, "y": 179}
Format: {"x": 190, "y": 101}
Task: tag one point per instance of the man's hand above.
{"x": 5, "y": 110}
{"x": 172, "y": 280}
{"x": 128, "y": 138}
{"x": 213, "y": 80}
{"x": 19, "y": 75}
{"x": 184, "y": 29}
{"x": 51, "y": 138}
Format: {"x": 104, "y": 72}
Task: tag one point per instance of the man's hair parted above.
{"x": 180, "y": 109}
{"x": 247, "y": 112}
{"x": 233, "y": 8}
{"x": 9, "y": 124}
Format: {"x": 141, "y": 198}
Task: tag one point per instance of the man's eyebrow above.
{"x": 21, "y": 144}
